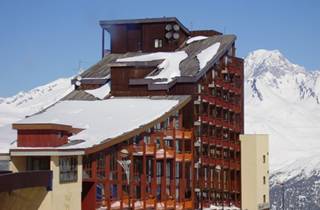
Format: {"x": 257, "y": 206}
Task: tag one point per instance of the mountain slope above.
{"x": 26, "y": 103}
{"x": 282, "y": 100}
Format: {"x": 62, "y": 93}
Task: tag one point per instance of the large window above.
{"x": 68, "y": 169}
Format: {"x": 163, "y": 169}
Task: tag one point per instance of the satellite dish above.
{"x": 176, "y": 35}
{"x": 79, "y": 78}
{"x": 176, "y": 27}
{"x": 78, "y": 83}
{"x": 169, "y": 35}
{"x": 168, "y": 27}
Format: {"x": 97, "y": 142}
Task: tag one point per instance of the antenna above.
{"x": 191, "y": 26}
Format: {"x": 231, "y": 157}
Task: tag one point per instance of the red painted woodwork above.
{"x": 88, "y": 195}
{"x": 42, "y": 138}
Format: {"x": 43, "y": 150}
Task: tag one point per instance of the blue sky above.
{"x": 41, "y": 41}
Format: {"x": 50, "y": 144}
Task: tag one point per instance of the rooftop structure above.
{"x": 154, "y": 125}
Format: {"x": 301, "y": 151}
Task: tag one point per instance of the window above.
{"x": 87, "y": 164}
{"x": 68, "y": 169}
{"x": 113, "y": 166}
{"x": 101, "y": 165}
{"x": 264, "y": 158}
{"x": 264, "y": 180}
{"x": 4, "y": 165}
{"x": 264, "y": 199}
{"x": 38, "y": 163}
{"x": 157, "y": 43}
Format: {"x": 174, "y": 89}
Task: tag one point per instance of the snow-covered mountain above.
{"x": 26, "y": 103}
{"x": 282, "y": 99}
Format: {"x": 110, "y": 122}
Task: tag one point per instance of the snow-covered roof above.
{"x": 207, "y": 54}
{"x": 169, "y": 67}
{"x": 100, "y": 92}
{"x": 196, "y": 38}
{"x": 102, "y": 120}
{"x": 187, "y": 63}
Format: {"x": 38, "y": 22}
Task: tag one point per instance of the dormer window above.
{"x": 157, "y": 43}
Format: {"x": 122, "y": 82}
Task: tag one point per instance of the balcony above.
{"x": 183, "y": 157}
{"x": 15, "y": 181}
{"x": 178, "y": 134}
{"x": 218, "y": 101}
{"x": 227, "y": 86}
{"x": 220, "y": 122}
{"x": 165, "y": 153}
{"x": 233, "y": 67}
{"x": 151, "y": 204}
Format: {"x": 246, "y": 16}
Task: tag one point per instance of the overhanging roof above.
{"x": 107, "y": 23}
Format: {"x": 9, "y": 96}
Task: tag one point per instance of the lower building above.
{"x": 255, "y": 172}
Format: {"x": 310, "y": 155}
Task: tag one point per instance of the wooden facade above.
{"x": 133, "y": 36}
{"x": 214, "y": 118}
{"x": 159, "y": 158}
{"x": 189, "y": 160}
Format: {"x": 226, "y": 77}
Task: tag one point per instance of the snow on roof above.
{"x": 103, "y": 119}
{"x": 207, "y": 54}
{"x": 7, "y": 137}
{"x": 196, "y": 38}
{"x": 169, "y": 66}
{"x": 100, "y": 92}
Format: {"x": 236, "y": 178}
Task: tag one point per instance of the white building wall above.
{"x": 254, "y": 172}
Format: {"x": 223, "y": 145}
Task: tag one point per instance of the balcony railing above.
{"x": 15, "y": 181}
{"x": 220, "y": 102}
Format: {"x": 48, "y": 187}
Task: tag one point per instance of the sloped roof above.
{"x": 105, "y": 121}
{"x": 189, "y": 67}
{"x": 79, "y": 95}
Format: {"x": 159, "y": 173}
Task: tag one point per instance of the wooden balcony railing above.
{"x": 20, "y": 180}
{"x": 220, "y": 102}
{"x": 227, "y": 85}
{"x": 220, "y": 122}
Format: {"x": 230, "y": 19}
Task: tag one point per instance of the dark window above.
{"x": 87, "y": 167}
{"x": 113, "y": 166}
{"x": 38, "y": 163}
{"x": 101, "y": 166}
{"x": 187, "y": 146}
{"x": 68, "y": 169}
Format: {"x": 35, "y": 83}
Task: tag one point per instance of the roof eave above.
{"x": 106, "y": 24}
{"x": 108, "y": 143}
